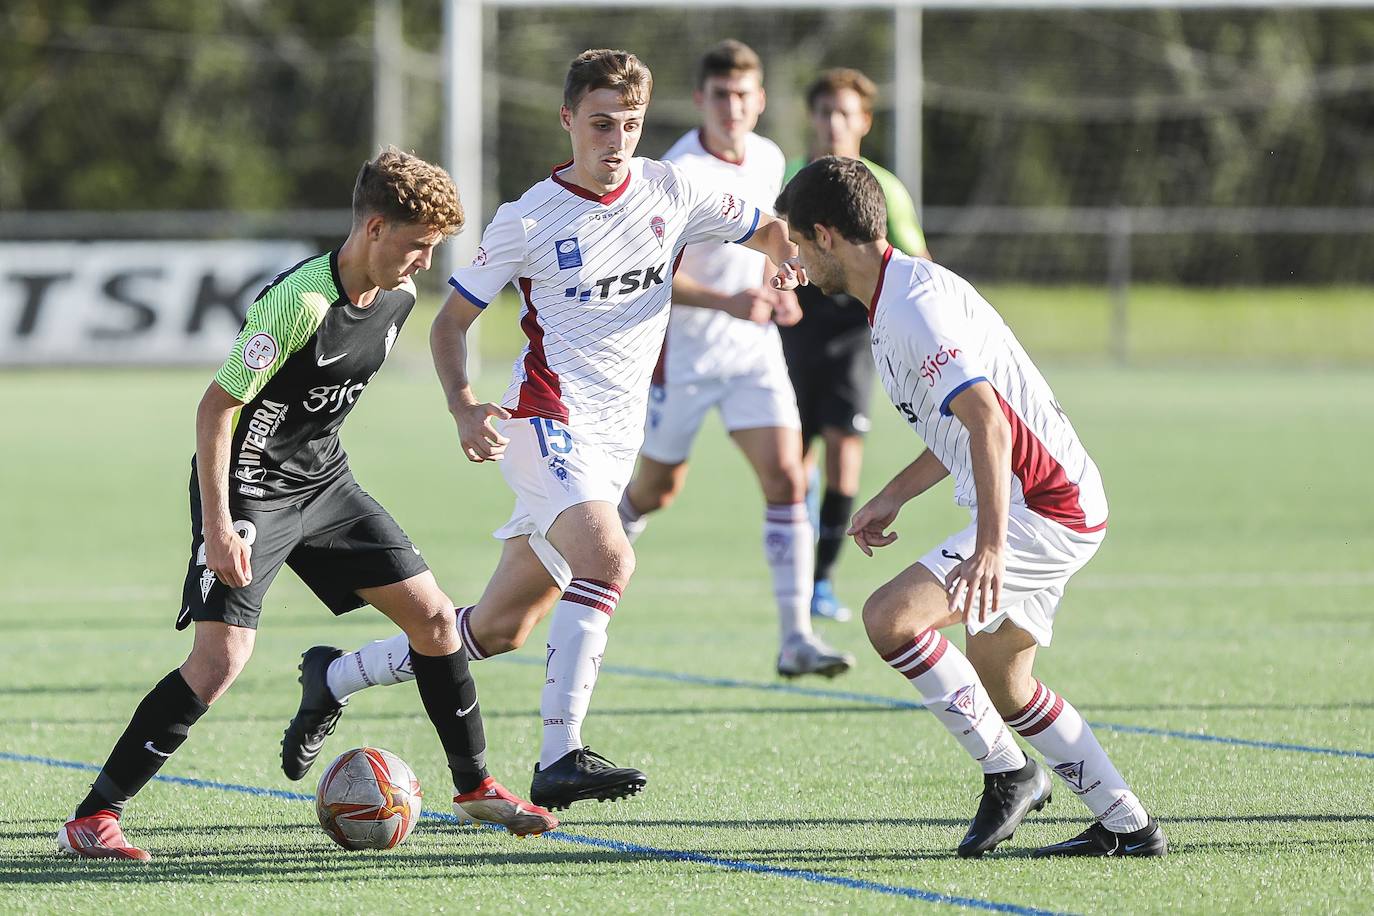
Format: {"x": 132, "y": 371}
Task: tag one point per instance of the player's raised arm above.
{"x": 771, "y": 238}
{"x": 448, "y": 344}
{"x": 757, "y": 304}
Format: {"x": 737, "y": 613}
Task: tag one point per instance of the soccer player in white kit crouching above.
{"x": 712, "y": 359}
{"x": 958, "y": 376}
{"x": 591, "y": 250}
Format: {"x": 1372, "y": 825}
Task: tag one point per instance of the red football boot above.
{"x": 492, "y": 803}
{"x": 97, "y": 837}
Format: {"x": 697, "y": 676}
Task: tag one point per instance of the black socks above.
{"x": 159, "y": 726}
{"x": 450, "y": 697}
{"x": 836, "y": 510}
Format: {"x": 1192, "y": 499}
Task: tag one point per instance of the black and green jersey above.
{"x": 301, "y": 361}
{"x": 825, "y": 316}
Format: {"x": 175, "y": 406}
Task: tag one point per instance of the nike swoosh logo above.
{"x": 464, "y": 712}
{"x": 321, "y": 361}
{"x": 1134, "y": 848}
{"x": 148, "y": 745}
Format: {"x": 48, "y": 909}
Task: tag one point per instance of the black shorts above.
{"x": 338, "y": 541}
{"x": 832, "y": 375}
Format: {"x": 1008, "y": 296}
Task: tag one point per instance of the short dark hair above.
{"x": 403, "y": 187}
{"x": 832, "y": 81}
{"x": 602, "y": 68}
{"x": 730, "y": 56}
{"x": 836, "y": 192}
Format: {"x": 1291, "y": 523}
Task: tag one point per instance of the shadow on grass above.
{"x": 1226, "y": 707}
{"x": 298, "y": 854}
{"x": 960, "y": 822}
{"x": 654, "y": 712}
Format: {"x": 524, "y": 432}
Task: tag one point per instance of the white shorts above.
{"x": 551, "y": 467}
{"x": 676, "y": 411}
{"x": 1041, "y": 557}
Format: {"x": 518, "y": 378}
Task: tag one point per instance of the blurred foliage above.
{"x": 250, "y": 104}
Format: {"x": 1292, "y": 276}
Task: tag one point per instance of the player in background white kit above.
{"x": 591, "y": 250}
{"x": 712, "y": 359}
{"x": 959, "y": 377}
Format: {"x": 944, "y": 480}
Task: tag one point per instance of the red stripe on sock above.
{"x": 475, "y": 650}
{"x": 904, "y": 654}
{"x": 1028, "y": 711}
{"x": 935, "y": 655}
{"x": 1045, "y": 721}
{"x": 604, "y": 607}
{"x": 604, "y": 590}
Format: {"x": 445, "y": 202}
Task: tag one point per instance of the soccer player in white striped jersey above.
{"x": 591, "y": 250}
{"x": 712, "y": 359}
{"x": 958, "y": 376}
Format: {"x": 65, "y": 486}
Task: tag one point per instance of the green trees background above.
{"x": 245, "y": 104}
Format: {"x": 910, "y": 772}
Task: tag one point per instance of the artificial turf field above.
{"x": 1222, "y": 641}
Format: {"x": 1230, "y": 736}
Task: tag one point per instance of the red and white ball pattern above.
{"x": 368, "y": 798}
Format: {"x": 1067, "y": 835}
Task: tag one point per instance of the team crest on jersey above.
{"x": 730, "y": 206}
{"x": 659, "y": 227}
{"x": 1072, "y": 773}
{"x": 568, "y": 253}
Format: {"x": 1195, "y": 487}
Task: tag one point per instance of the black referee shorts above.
{"x": 833, "y": 376}
{"x": 337, "y": 542}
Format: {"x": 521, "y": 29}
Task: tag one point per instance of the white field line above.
{"x": 126, "y": 594}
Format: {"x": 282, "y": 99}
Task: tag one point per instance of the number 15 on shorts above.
{"x": 552, "y": 437}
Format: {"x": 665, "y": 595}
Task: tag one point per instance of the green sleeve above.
{"x": 277, "y": 326}
{"x": 903, "y": 229}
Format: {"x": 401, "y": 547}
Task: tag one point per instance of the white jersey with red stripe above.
{"x": 595, "y": 278}
{"x": 934, "y": 336}
{"x": 708, "y": 343}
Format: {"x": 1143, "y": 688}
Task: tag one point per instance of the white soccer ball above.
{"x": 368, "y": 798}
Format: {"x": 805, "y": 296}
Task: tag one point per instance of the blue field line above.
{"x": 672, "y": 855}
{"x": 873, "y": 699}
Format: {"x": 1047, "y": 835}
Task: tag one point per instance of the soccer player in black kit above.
{"x": 271, "y": 486}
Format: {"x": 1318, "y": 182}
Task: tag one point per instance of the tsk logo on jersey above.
{"x": 264, "y": 423}
{"x": 630, "y": 281}
{"x": 659, "y": 227}
{"x": 568, "y": 253}
{"x": 933, "y": 366}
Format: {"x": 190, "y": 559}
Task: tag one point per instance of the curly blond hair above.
{"x": 403, "y": 187}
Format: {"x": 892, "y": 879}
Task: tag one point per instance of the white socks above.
{"x": 789, "y": 545}
{"x": 950, "y": 688}
{"x": 577, "y": 639}
{"x": 631, "y": 519}
{"x": 1056, "y": 730}
{"x": 386, "y": 661}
